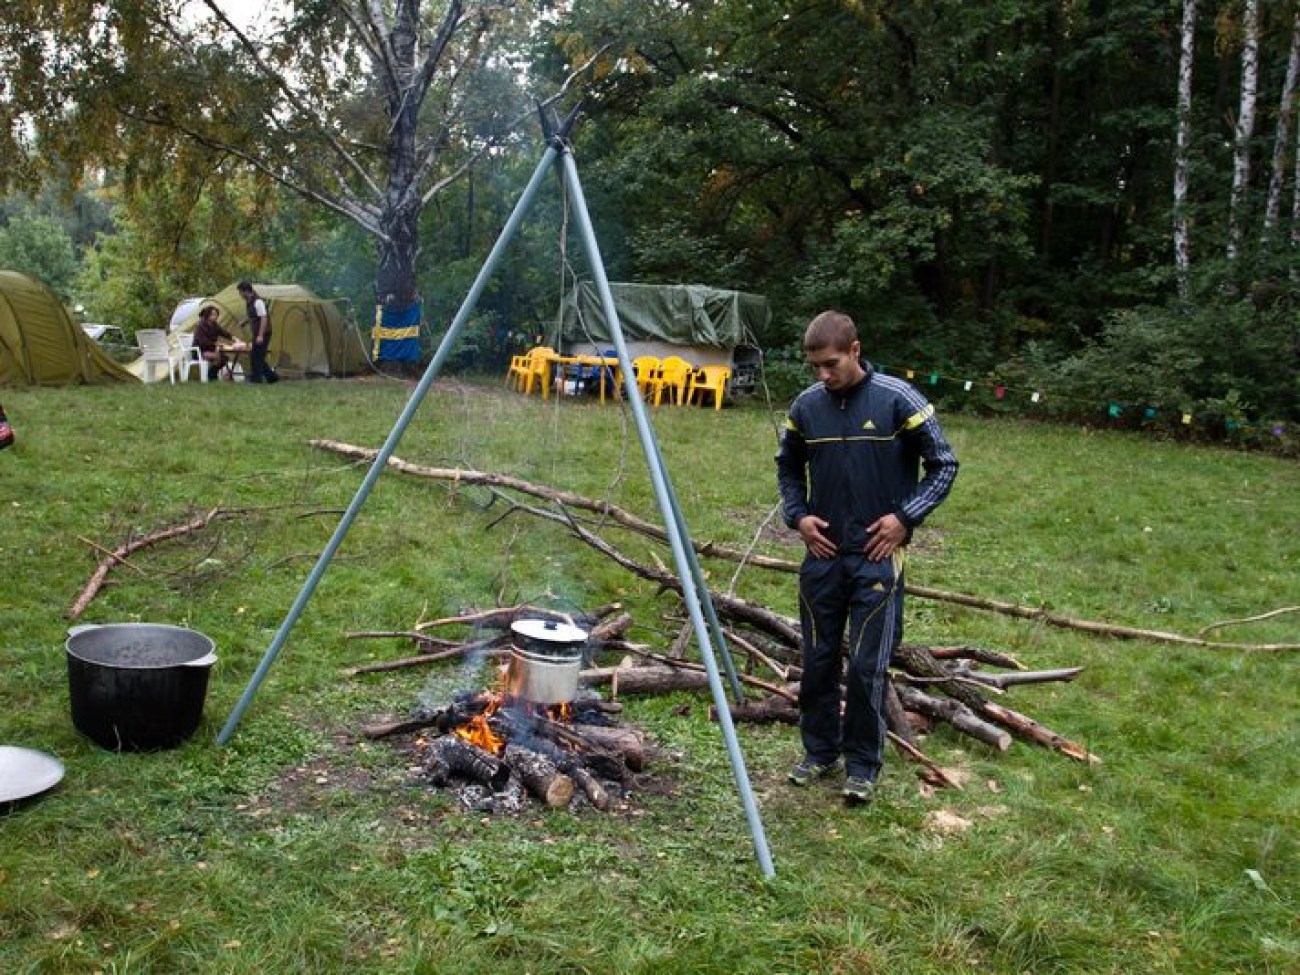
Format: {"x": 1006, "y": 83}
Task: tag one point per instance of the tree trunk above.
{"x": 1182, "y": 244}
{"x": 1245, "y": 126}
{"x": 1285, "y": 111}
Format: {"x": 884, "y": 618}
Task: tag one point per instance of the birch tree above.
{"x": 1282, "y": 138}
{"x": 1245, "y": 129}
{"x": 1182, "y": 245}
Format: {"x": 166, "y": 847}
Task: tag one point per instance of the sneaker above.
{"x": 809, "y": 771}
{"x": 858, "y": 791}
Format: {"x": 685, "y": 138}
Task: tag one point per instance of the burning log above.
{"x": 451, "y": 755}
{"x": 442, "y": 720}
{"x": 595, "y": 792}
{"x": 627, "y": 743}
{"x": 539, "y": 774}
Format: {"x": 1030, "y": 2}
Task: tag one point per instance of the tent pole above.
{"x": 381, "y": 459}
{"x": 673, "y": 520}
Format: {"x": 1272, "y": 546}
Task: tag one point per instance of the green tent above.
{"x": 40, "y": 345}
{"x": 310, "y": 336}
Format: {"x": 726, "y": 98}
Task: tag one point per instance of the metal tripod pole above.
{"x": 381, "y": 459}
{"x": 673, "y": 521}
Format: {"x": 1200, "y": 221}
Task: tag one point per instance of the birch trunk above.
{"x": 1286, "y": 110}
{"x": 1245, "y": 126}
{"x": 1182, "y": 244}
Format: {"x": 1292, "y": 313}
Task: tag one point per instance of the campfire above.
{"x": 496, "y": 748}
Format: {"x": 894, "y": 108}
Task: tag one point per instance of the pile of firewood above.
{"x": 582, "y": 754}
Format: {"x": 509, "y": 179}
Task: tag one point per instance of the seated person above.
{"x": 206, "y": 333}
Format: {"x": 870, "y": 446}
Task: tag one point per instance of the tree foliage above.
{"x": 368, "y": 110}
{"x": 966, "y": 178}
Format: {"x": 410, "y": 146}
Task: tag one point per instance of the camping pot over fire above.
{"x": 138, "y": 686}
{"x": 545, "y": 660}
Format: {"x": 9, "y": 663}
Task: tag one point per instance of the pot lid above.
{"x": 549, "y": 631}
{"x": 25, "y": 772}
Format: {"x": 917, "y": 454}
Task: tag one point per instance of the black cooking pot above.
{"x": 138, "y": 686}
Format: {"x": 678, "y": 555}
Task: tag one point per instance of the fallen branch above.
{"x": 642, "y": 527}
{"x": 1003, "y": 681}
{"x": 1027, "y": 727}
{"x": 119, "y": 555}
{"x": 1249, "y": 619}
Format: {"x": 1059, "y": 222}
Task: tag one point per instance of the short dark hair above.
{"x": 830, "y": 330}
{"x": 245, "y": 286}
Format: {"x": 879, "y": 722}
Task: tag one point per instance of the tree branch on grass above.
{"x": 626, "y": 519}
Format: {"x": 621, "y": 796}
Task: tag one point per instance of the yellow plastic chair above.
{"x": 517, "y": 372}
{"x": 674, "y": 375}
{"x": 645, "y": 368}
{"x": 538, "y": 370}
{"x": 709, "y": 379}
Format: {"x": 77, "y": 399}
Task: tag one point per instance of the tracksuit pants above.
{"x": 849, "y": 591}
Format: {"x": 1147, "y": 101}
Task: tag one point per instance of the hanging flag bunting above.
{"x": 1150, "y": 414}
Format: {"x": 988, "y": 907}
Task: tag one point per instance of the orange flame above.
{"x": 478, "y": 732}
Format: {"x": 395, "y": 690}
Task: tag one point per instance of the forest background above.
{"x": 1083, "y": 209}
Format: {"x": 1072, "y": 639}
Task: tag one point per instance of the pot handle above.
{"x": 207, "y": 660}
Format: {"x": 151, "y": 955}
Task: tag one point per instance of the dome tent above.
{"x": 309, "y": 335}
{"x": 40, "y": 344}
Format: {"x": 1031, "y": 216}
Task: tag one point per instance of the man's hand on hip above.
{"x": 810, "y": 527}
{"x": 884, "y": 535}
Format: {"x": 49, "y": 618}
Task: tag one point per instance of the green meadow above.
{"x": 301, "y": 846}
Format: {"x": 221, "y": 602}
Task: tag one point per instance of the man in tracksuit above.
{"x": 849, "y": 471}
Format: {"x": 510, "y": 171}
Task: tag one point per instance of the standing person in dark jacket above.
{"x": 849, "y": 472}
{"x": 259, "y": 326}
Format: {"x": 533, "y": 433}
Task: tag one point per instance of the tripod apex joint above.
{"x": 555, "y": 130}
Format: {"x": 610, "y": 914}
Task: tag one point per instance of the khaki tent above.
{"x": 309, "y": 336}
{"x": 702, "y": 324}
{"x": 40, "y": 345}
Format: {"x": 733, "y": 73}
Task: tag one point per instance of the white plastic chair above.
{"x": 156, "y": 352}
{"x": 188, "y": 354}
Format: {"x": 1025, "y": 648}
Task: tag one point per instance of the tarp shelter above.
{"x": 40, "y": 345}
{"x": 310, "y": 336}
{"x": 704, "y": 325}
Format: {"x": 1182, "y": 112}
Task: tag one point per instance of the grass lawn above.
{"x": 300, "y": 847}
